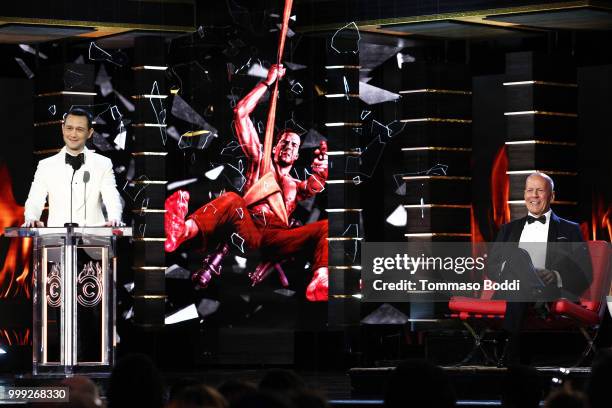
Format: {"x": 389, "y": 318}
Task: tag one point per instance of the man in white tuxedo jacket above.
{"x": 89, "y": 175}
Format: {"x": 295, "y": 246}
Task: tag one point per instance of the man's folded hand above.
{"x": 32, "y": 224}
{"x": 547, "y": 276}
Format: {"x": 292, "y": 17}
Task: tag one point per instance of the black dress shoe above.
{"x": 542, "y": 310}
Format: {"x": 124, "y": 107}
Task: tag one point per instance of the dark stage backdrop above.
{"x": 236, "y": 322}
{"x": 209, "y": 71}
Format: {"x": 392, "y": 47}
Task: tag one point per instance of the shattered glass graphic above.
{"x": 24, "y": 67}
{"x": 295, "y": 127}
{"x": 140, "y": 231}
{"x": 103, "y": 80}
{"x": 312, "y": 139}
{"x": 173, "y": 133}
{"x": 231, "y": 148}
{"x": 30, "y": 50}
{"x": 214, "y": 173}
{"x": 181, "y": 183}
{"x": 352, "y": 231}
{"x": 235, "y": 95}
{"x": 177, "y": 272}
{"x": 128, "y": 105}
{"x": 373, "y": 95}
{"x": 241, "y": 179}
{"x": 366, "y": 163}
{"x": 192, "y": 75}
{"x": 437, "y": 169}
{"x": 96, "y": 110}
{"x": 297, "y": 88}
{"x": 133, "y": 188}
{"x": 398, "y": 217}
{"x": 115, "y": 112}
{"x": 72, "y": 79}
{"x": 182, "y": 110}
{"x": 346, "y": 39}
{"x": 157, "y": 104}
{"x": 206, "y": 307}
{"x": 100, "y": 142}
{"x": 293, "y": 66}
{"x": 199, "y": 139}
{"x": 121, "y": 137}
{"x": 285, "y": 292}
{"x": 96, "y": 53}
{"x": 238, "y": 241}
{"x": 144, "y": 205}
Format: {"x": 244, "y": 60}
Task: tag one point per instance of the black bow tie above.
{"x": 531, "y": 220}
{"x": 75, "y": 161}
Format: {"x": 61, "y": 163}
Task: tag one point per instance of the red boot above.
{"x": 174, "y": 220}
{"x": 317, "y": 290}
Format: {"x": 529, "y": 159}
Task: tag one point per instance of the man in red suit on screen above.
{"x": 256, "y": 221}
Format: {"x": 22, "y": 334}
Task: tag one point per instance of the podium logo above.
{"x": 54, "y": 286}
{"x": 89, "y": 284}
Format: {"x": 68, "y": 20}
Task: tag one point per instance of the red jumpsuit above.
{"x": 263, "y": 231}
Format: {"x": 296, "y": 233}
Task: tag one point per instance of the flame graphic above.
{"x": 584, "y": 230}
{"x": 15, "y": 276}
{"x": 476, "y": 234}
{"x": 500, "y": 188}
{"x": 600, "y": 218}
{"x": 13, "y": 337}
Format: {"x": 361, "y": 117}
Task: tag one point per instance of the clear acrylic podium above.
{"x": 73, "y": 297}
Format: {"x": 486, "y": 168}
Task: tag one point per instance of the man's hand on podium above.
{"x": 33, "y": 224}
{"x": 114, "y": 223}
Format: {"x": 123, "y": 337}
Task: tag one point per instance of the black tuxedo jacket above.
{"x": 571, "y": 258}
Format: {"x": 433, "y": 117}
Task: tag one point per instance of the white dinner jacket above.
{"x": 52, "y": 180}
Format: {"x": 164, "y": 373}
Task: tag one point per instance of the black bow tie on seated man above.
{"x": 75, "y": 161}
{"x": 531, "y": 220}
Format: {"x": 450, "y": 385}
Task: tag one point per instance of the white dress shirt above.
{"x": 534, "y": 240}
{"x": 534, "y": 233}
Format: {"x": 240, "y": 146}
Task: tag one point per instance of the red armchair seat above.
{"x": 470, "y": 306}
{"x": 587, "y": 312}
{"x": 582, "y": 315}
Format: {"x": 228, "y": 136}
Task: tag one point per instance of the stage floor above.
{"x": 354, "y": 386}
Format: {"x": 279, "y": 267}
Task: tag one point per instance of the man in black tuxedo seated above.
{"x": 546, "y": 272}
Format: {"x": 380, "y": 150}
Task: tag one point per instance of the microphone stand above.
{"x": 71, "y": 224}
{"x": 86, "y": 177}
{"x": 75, "y": 167}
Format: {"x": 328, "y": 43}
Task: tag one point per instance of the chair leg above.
{"x": 590, "y": 346}
{"x": 478, "y": 347}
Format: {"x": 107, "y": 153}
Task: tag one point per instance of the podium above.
{"x": 73, "y": 297}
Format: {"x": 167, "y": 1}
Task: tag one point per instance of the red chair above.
{"x": 586, "y": 315}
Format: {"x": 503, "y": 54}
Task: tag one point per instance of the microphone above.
{"x": 86, "y": 177}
